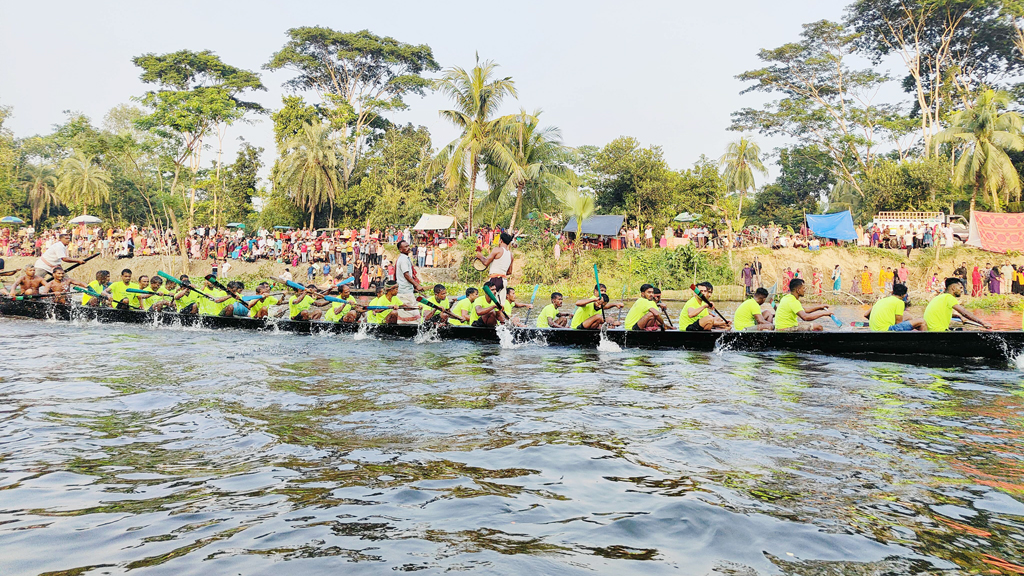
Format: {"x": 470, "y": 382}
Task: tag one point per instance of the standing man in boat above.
{"x": 939, "y": 312}
{"x": 887, "y": 314}
{"x": 645, "y": 314}
{"x": 790, "y": 311}
{"x": 750, "y": 314}
{"x": 54, "y": 255}
{"x": 408, "y": 284}
{"x": 696, "y": 316}
{"x": 499, "y": 264}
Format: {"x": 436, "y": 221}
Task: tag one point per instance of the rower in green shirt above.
{"x": 696, "y": 313}
{"x": 887, "y": 314}
{"x": 750, "y": 314}
{"x": 550, "y": 317}
{"x": 460, "y": 312}
{"x": 187, "y": 299}
{"x": 790, "y": 312}
{"x": 510, "y": 304}
{"x": 939, "y": 312}
{"x": 99, "y": 286}
{"x": 440, "y": 299}
{"x": 348, "y": 312}
{"x": 118, "y": 291}
{"x": 645, "y": 314}
{"x": 588, "y": 314}
{"x": 261, "y": 307}
{"x": 300, "y": 306}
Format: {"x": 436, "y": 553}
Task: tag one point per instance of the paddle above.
{"x": 188, "y": 285}
{"x": 839, "y": 323}
{"x": 9, "y": 273}
{"x": 33, "y": 296}
{"x": 497, "y": 303}
{"x": 260, "y": 296}
{"x": 706, "y": 301}
{"x": 93, "y": 293}
{"x": 597, "y": 282}
{"x": 146, "y": 292}
{"x": 428, "y": 303}
{"x": 213, "y": 280}
{"x": 73, "y": 266}
{"x": 532, "y": 298}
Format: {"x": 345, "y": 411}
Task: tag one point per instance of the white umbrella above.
{"x": 85, "y": 219}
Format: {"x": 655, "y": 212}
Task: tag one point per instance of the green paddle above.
{"x": 597, "y": 282}
{"x": 177, "y": 282}
{"x": 497, "y": 303}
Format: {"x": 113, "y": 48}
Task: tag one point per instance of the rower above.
{"x": 187, "y": 299}
{"x": 510, "y": 303}
{"x": 99, "y": 285}
{"x": 645, "y": 314}
{"x": 134, "y": 300}
{"x": 887, "y": 314}
{"x": 588, "y": 315}
{"x": 216, "y": 306}
{"x": 348, "y": 312}
{"x": 696, "y": 313}
{"x": 750, "y": 315}
{"x": 61, "y": 284}
{"x": 300, "y": 306}
{"x": 499, "y": 265}
{"x": 790, "y": 311}
{"x": 55, "y": 254}
{"x": 29, "y": 284}
{"x": 391, "y": 299}
{"x": 118, "y": 291}
{"x": 939, "y": 312}
{"x": 550, "y": 317}
{"x": 161, "y": 301}
{"x": 460, "y": 312}
{"x": 484, "y": 313}
{"x": 261, "y": 307}
{"x": 439, "y": 299}
{"x": 234, "y": 306}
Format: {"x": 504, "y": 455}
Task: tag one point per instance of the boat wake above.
{"x": 606, "y": 345}
{"x": 506, "y": 338}
{"x": 427, "y": 335}
{"x": 363, "y": 333}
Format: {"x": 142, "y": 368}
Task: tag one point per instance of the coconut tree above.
{"x": 477, "y": 95}
{"x": 538, "y": 162}
{"x": 309, "y": 168}
{"x": 82, "y": 182}
{"x": 740, "y": 161}
{"x": 579, "y": 205}
{"x": 39, "y": 182}
{"x": 983, "y": 134}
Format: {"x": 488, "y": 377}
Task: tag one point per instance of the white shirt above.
{"x": 286, "y": 276}
{"x": 404, "y": 265}
{"x": 52, "y": 257}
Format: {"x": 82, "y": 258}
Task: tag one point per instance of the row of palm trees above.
{"x": 79, "y": 183}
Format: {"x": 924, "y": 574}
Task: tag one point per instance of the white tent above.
{"x": 85, "y": 219}
{"x": 434, "y": 222}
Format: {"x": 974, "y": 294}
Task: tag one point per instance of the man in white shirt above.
{"x": 54, "y": 255}
{"x": 408, "y": 284}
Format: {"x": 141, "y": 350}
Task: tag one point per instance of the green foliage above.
{"x": 241, "y": 184}
{"x": 804, "y": 179}
{"x": 296, "y": 114}
{"x": 391, "y": 190}
{"x": 309, "y": 168}
{"x": 914, "y": 185}
{"x": 83, "y": 182}
{"x": 630, "y": 179}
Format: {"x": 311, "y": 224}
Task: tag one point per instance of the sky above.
{"x": 662, "y": 72}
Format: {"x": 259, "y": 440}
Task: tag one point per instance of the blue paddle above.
{"x": 532, "y": 298}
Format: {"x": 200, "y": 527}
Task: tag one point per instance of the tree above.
{"x": 391, "y": 190}
{"x": 805, "y": 177}
{"x": 241, "y": 183}
{"x": 477, "y": 96}
{"x": 920, "y": 185}
{"x": 38, "y": 182}
{"x": 740, "y": 160}
{"x": 309, "y": 168}
{"x": 824, "y": 102}
{"x": 984, "y": 134}
{"x": 538, "y": 163}
{"x": 83, "y": 182}
{"x": 358, "y": 76}
{"x": 630, "y": 178}
{"x": 580, "y": 205}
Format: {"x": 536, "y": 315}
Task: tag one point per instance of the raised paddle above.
{"x": 708, "y": 302}
{"x": 597, "y": 283}
{"x": 146, "y": 292}
{"x": 9, "y": 273}
{"x": 188, "y": 285}
{"x": 532, "y": 298}
{"x": 497, "y": 303}
{"x": 213, "y": 280}
{"x": 76, "y": 265}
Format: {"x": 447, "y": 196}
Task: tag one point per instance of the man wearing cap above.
{"x": 54, "y": 255}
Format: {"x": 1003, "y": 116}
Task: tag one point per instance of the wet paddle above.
{"x": 188, "y": 285}
{"x": 532, "y": 298}
{"x": 34, "y": 296}
{"x": 708, "y": 302}
{"x": 497, "y": 303}
{"x": 597, "y": 282}
{"x": 90, "y": 292}
{"x": 213, "y": 280}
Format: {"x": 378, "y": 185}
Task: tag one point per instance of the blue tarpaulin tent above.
{"x": 597, "y": 225}
{"x": 838, "y": 226}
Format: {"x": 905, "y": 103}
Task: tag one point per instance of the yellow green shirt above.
{"x": 581, "y": 314}
{"x": 548, "y": 313}
{"x": 187, "y": 300}
{"x": 745, "y": 315}
{"x": 461, "y": 306}
{"x": 786, "y": 313}
{"x": 209, "y": 307}
{"x": 684, "y": 315}
{"x": 637, "y": 311}
{"x": 479, "y": 303}
{"x": 332, "y": 316}
{"x": 96, "y": 287}
{"x": 424, "y": 309}
{"x": 939, "y": 312}
{"x": 261, "y": 304}
{"x": 884, "y": 313}
{"x": 380, "y": 317}
{"x": 119, "y": 291}
{"x": 296, "y": 305}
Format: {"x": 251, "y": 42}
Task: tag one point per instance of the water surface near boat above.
{"x": 160, "y": 450}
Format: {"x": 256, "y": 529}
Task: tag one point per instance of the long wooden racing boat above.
{"x": 953, "y": 344}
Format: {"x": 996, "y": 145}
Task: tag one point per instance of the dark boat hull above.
{"x": 958, "y": 344}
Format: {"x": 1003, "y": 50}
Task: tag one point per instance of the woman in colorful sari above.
{"x": 976, "y": 282}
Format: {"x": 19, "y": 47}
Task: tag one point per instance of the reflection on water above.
{"x": 150, "y": 449}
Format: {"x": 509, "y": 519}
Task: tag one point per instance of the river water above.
{"x": 169, "y": 451}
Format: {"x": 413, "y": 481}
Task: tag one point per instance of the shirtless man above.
{"x": 61, "y": 285}
{"x": 29, "y": 284}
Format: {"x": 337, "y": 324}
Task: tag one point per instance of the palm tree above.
{"x": 538, "y": 161}
{"x": 82, "y": 182}
{"x": 38, "y": 183}
{"x": 580, "y": 206}
{"x": 477, "y": 96}
{"x": 741, "y": 160}
{"x": 309, "y": 168}
{"x": 985, "y": 135}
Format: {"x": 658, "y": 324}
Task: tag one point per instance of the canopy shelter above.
{"x": 598, "y": 225}
{"x": 11, "y": 220}
{"x": 85, "y": 219}
{"x": 283, "y": 227}
{"x": 838, "y": 226}
{"x": 997, "y": 232}
{"x": 236, "y": 225}
{"x": 686, "y": 217}
{"x": 434, "y": 222}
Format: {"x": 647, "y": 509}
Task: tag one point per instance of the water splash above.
{"x": 363, "y": 333}
{"x": 508, "y": 341}
{"x": 427, "y": 334}
{"x": 606, "y": 345}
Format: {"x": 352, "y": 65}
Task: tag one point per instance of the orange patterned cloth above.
{"x": 997, "y": 232}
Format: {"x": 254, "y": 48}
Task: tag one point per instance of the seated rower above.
{"x": 348, "y": 312}
{"x": 696, "y": 316}
{"x": 750, "y": 315}
{"x": 187, "y": 299}
{"x": 485, "y": 313}
{"x": 887, "y": 314}
{"x": 61, "y": 285}
{"x": 261, "y": 307}
{"x": 550, "y": 317}
{"x": 510, "y": 303}
{"x": 939, "y": 312}
{"x": 216, "y": 306}
{"x": 300, "y": 306}
{"x": 389, "y": 298}
{"x": 29, "y": 284}
{"x": 135, "y": 300}
{"x": 118, "y": 291}
{"x": 645, "y": 314}
{"x": 233, "y": 306}
{"x": 790, "y": 311}
{"x": 460, "y": 312}
{"x": 588, "y": 314}
{"x": 439, "y": 299}
{"x": 165, "y": 298}
{"x": 99, "y": 285}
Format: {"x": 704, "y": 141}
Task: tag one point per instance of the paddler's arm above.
{"x": 693, "y": 312}
{"x": 811, "y": 316}
{"x": 965, "y": 314}
{"x": 73, "y": 260}
{"x": 816, "y": 307}
{"x": 868, "y": 314}
{"x": 585, "y": 301}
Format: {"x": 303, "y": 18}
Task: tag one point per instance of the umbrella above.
{"x": 85, "y": 219}
{"x": 236, "y": 225}
{"x": 686, "y": 217}
{"x": 283, "y": 227}
{"x": 11, "y": 220}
